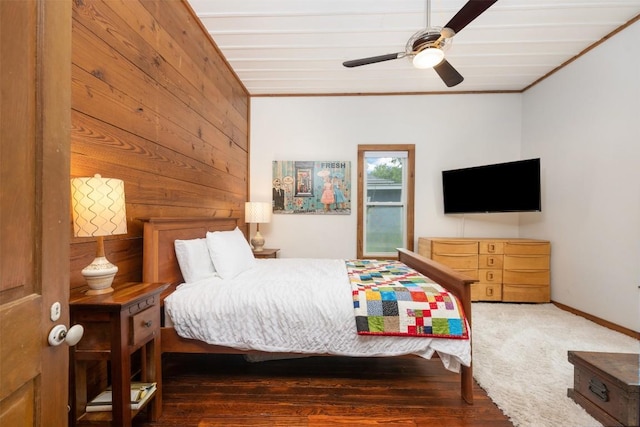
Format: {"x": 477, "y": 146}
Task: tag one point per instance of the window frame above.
{"x": 410, "y": 194}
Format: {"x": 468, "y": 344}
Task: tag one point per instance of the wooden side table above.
{"x": 117, "y": 325}
{"x": 266, "y": 253}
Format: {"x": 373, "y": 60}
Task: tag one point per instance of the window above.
{"x": 385, "y": 198}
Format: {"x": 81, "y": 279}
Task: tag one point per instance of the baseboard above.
{"x": 599, "y": 321}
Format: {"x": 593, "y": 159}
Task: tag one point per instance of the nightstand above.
{"x": 117, "y": 326}
{"x": 266, "y": 253}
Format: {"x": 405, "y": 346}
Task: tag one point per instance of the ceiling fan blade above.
{"x": 470, "y": 11}
{"x": 449, "y": 75}
{"x": 373, "y": 59}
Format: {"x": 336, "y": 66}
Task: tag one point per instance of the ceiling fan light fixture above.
{"x": 428, "y": 57}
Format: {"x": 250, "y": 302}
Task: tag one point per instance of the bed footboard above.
{"x": 460, "y": 286}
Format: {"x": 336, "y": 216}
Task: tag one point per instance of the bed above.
{"x": 160, "y": 264}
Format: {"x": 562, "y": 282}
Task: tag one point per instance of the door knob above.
{"x": 59, "y": 334}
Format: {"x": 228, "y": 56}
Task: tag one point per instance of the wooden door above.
{"x": 35, "y": 80}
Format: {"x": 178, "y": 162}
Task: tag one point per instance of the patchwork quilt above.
{"x": 390, "y": 298}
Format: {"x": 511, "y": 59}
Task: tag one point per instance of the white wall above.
{"x": 448, "y": 131}
{"x": 584, "y": 122}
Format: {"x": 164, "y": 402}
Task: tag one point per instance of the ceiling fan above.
{"x": 426, "y": 47}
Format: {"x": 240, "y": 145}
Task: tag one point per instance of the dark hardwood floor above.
{"x": 225, "y": 390}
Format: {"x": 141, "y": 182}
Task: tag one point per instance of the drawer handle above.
{"x": 148, "y": 323}
{"x": 599, "y": 388}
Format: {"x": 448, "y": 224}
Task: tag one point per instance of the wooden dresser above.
{"x": 510, "y": 270}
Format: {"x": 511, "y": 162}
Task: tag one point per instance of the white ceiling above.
{"x": 296, "y": 47}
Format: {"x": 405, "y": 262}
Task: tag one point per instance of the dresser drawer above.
{"x": 525, "y": 293}
{"x": 144, "y": 325}
{"x": 487, "y": 275}
{"x": 526, "y": 277}
{"x": 470, "y": 272}
{"x": 453, "y": 247}
{"x": 489, "y": 247}
{"x": 526, "y": 262}
{"x": 490, "y": 261}
{"x": 486, "y": 292}
{"x": 527, "y": 248}
{"x": 460, "y": 261}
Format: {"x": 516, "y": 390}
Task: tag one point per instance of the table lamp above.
{"x": 98, "y": 210}
{"x": 257, "y": 212}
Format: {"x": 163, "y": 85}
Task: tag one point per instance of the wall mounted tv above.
{"x": 500, "y": 187}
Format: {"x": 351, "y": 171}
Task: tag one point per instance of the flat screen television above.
{"x": 500, "y": 187}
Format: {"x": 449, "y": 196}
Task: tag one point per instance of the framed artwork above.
{"x": 310, "y": 187}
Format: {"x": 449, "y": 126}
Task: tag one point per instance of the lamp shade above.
{"x": 98, "y": 206}
{"x": 257, "y": 212}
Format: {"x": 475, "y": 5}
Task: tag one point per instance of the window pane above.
{"x": 384, "y": 230}
{"x": 384, "y": 179}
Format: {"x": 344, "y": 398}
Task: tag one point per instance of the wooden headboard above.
{"x": 159, "y": 257}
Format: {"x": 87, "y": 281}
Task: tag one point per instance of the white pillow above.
{"x": 230, "y": 252}
{"x": 194, "y": 260}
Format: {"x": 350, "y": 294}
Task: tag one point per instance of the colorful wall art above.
{"x": 311, "y": 187}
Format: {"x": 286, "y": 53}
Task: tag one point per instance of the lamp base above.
{"x": 99, "y": 291}
{"x": 257, "y": 242}
{"x": 99, "y": 276}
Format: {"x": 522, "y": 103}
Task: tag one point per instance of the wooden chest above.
{"x": 607, "y": 386}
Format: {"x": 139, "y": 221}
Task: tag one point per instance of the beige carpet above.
{"x": 520, "y": 359}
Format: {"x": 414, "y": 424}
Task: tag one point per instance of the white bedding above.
{"x": 260, "y": 309}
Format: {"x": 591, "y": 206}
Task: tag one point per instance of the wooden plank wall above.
{"x": 155, "y": 104}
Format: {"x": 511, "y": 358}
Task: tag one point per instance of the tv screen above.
{"x": 500, "y": 187}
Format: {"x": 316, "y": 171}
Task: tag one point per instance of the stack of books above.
{"x": 140, "y": 393}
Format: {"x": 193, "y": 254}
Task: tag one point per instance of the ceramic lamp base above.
{"x": 99, "y": 291}
{"x": 257, "y": 242}
{"x": 99, "y": 276}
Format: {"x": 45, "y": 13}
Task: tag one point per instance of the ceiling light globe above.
{"x": 428, "y": 58}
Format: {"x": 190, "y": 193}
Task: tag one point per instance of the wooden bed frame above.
{"x": 160, "y": 265}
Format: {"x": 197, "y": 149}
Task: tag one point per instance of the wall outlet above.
{"x": 55, "y": 311}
